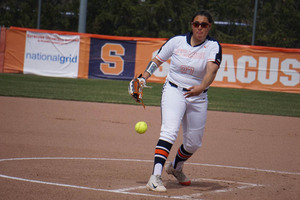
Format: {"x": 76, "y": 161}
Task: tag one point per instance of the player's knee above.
{"x": 171, "y": 138}
{"x": 192, "y": 144}
{"x": 192, "y": 148}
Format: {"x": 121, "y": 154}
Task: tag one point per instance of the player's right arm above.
{"x": 164, "y": 53}
{"x": 151, "y": 67}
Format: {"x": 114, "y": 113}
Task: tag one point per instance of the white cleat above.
{"x": 178, "y": 174}
{"x": 155, "y": 184}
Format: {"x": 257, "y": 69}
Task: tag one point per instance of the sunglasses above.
{"x": 197, "y": 24}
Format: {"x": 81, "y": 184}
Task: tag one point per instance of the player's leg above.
{"x": 162, "y": 151}
{"x": 175, "y": 167}
{"x": 172, "y": 113}
{"x": 193, "y": 125}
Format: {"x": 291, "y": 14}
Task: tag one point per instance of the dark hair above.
{"x": 203, "y": 13}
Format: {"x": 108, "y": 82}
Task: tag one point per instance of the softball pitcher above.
{"x": 195, "y": 60}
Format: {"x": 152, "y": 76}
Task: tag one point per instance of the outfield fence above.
{"x": 92, "y": 56}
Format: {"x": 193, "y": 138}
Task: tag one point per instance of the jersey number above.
{"x": 186, "y": 69}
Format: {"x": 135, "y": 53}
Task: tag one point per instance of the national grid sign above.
{"x": 51, "y": 54}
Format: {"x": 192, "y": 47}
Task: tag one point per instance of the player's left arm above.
{"x": 211, "y": 71}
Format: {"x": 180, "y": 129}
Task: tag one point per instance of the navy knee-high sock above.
{"x": 162, "y": 151}
{"x": 181, "y": 156}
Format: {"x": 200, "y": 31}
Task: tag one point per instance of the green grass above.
{"x": 252, "y": 101}
{"x": 111, "y": 91}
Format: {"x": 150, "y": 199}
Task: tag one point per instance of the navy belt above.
{"x": 184, "y": 89}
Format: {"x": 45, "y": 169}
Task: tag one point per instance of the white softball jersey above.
{"x": 187, "y": 68}
{"x": 188, "y": 64}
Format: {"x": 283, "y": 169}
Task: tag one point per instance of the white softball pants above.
{"x": 189, "y": 112}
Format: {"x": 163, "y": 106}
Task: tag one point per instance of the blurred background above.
{"x": 276, "y": 22}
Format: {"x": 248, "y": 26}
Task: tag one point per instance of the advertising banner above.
{"x": 112, "y": 59}
{"x": 56, "y": 53}
{"x": 259, "y": 68}
{"x": 51, "y": 54}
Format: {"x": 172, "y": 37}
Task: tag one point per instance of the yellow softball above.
{"x": 141, "y": 127}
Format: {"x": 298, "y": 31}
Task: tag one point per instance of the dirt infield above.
{"x": 52, "y": 149}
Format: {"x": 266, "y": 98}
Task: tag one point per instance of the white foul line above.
{"x": 125, "y": 190}
{"x": 138, "y": 160}
{"x": 247, "y": 168}
{"x": 118, "y": 191}
{"x": 243, "y": 185}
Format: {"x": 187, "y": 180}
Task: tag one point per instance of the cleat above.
{"x": 178, "y": 174}
{"x": 155, "y": 184}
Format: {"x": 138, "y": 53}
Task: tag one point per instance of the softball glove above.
{"x": 135, "y": 89}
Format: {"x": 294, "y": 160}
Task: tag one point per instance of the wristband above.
{"x": 152, "y": 66}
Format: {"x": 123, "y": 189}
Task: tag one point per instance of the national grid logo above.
{"x": 53, "y": 58}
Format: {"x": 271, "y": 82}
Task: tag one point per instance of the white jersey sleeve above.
{"x": 215, "y": 54}
{"x": 166, "y": 50}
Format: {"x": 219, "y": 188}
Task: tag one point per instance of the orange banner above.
{"x": 14, "y": 51}
{"x": 2, "y": 47}
{"x": 259, "y": 68}
{"x": 247, "y": 67}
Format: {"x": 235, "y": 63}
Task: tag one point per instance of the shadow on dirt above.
{"x": 198, "y": 186}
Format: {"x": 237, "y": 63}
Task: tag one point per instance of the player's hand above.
{"x": 142, "y": 81}
{"x": 194, "y": 91}
{"x": 135, "y": 89}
